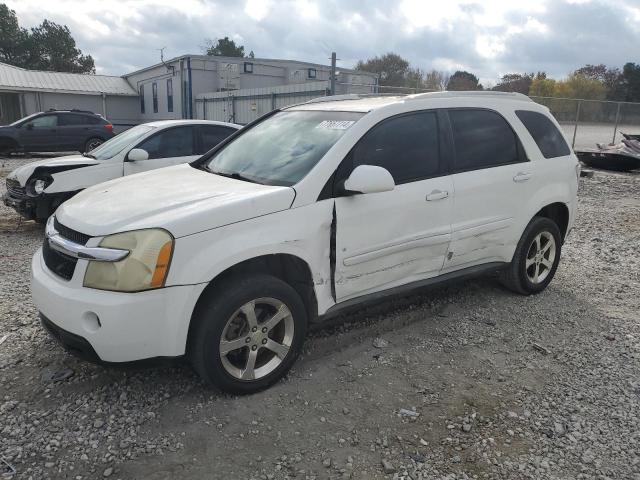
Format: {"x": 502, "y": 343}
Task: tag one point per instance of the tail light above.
{"x": 109, "y": 127}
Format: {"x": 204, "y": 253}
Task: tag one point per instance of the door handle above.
{"x": 437, "y": 195}
{"x": 521, "y": 177}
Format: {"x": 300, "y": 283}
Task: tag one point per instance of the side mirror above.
{"x": 369, "y": 179}
{"x": 137, "y": 154}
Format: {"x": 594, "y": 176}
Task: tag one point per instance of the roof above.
{"x": 367, "y": 102}
{"x": 255, "y": 61}
{"x": 15, "y": 78}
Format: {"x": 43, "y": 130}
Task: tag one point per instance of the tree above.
{"x": 580, "y": 86}
{"x": 515, "y": 82}
{"x": 611, "y": 78}
{"x": 47, "y": 47}
{"x": 631, "y": 82}
{"x": 390, "y": 67}
{"x": 12, "y": 37}
{"x": 542, "y": 87}
{"x": 51, "y": 47}
{"x": 225, "y": 47}
{"x": 436, "y": 80}
{"x": 462, "y": 80}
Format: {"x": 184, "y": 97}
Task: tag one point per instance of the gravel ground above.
{"x": 464, "y": 381}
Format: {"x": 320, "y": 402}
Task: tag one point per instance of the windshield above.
{"x": 282, "y": 149}
{"x": 24, "y": 119}
{"x": 112, "y": 147}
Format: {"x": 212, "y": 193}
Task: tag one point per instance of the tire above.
{"x": 531, "y": 258}
{"x": 221, "y": 317}
{"x": 92, "y": 143}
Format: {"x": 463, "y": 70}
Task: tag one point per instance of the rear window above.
{"x": 548, "y": 138}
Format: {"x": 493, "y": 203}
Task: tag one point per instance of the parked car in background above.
{"x": 56, "y": 131}
{"x": 36, "y": 189}
{"x": 309, "y": 210}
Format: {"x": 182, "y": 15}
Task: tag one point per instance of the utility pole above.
{"x": 333, "y": 73}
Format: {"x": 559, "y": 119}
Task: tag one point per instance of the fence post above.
{"x": 273, "y": 101}
{"x": 333, "y": 73}
{"x": 204, "y": 108}
{"x": 615, "y": 128}
{"x": 575, "y": 128}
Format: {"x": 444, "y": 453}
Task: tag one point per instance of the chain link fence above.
{"x": 584, "y": 122}
{"x": 587, "y": 122}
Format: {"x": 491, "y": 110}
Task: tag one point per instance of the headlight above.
{"x": 145, "y": 268}
{"x": 37, "y": 185}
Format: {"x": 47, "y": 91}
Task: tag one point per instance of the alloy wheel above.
{"x": 540, "y": 257}
{"x": 256, "y": 338}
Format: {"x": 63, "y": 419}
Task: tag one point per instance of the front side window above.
{"x": 210, "y": 136}
{"x": 44, "y": 121}
{"x": 115, "y": 145}
{"x": 546, "y": 135}
{"x": 482, "y": 139}
{"x": 283, "y": 148}
{"x": 172, "y": 142}
{"x": 407, "y": 146}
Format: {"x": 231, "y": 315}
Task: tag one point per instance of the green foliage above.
{"x": 542, "y": 87}
{"x": 392, "y": 69}
{"x": 631, "y": 82}
{"x": 47, "y": 47}
{"x": 462, "y": 80}
{"x": 516, "y": 82}
{"x": 225, "y": 47}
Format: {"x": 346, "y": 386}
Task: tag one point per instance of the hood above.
{"x": 22, "y": 174}
{"x": 180, "y": 199}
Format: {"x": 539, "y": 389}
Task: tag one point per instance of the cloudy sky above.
{"x": 487, "y": 37}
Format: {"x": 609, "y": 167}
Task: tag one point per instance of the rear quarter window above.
{"x": 546, "y": 135}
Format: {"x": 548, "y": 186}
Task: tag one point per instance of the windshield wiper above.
{"x": 234, "y": 175}
{"x": 88, "y": 155}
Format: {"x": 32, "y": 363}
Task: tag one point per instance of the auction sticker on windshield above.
{"x": 336, "y": 124}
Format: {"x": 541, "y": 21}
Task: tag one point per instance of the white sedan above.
{"x": 35, "y": 190}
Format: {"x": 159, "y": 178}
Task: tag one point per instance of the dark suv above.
{"x": 56, "y": 131}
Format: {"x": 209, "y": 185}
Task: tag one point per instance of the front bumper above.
{"x": 113, "y": 327}
{"x": 25, "y": 206}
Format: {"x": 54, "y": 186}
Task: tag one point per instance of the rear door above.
{"x": 171, "y": 146}
{"x": 393, "y": 238}
{"x": 72, "y": 131}
{"x": 211, "y": 135}
{"x": 492, "y": 181}
{"x": 40, "y": 134}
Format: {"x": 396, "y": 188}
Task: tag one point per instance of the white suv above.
{"x": 306, "y": 211}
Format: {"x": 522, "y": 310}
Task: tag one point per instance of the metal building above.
{"x": 23, "y": 92}
{"x": 176, "y": 88}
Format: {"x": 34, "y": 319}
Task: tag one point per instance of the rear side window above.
{"x": 406, "y": 145}
{"x": 69, "y": 119}
{"x": 173, "y": 142}
{"x": 482, "y": 139}
{"x": 548, "y": 138}
{"x": 210, "y": 136}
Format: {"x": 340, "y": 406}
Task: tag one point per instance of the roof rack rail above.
{"x": 469, "y": 93}
{"x": 75, "y": 110}
{"x": 349, "y": 96}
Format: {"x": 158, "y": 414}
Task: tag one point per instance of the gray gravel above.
{"x": 446, "y": 384}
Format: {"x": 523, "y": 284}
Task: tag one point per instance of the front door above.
{"x": 39, "y": 134}
{"x": 168, "y": 147}
{"x": 393, "y": 238}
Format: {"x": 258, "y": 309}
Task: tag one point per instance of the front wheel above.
{"x": 536, "y": 258}
{"x": 247, "y": 334}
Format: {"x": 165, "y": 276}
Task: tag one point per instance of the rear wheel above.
{"x": 248, "y": 334}
{"x": 536, "y": 258}
{"x": 92, "y": 143}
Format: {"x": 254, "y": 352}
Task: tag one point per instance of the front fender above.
{"x": 302, "y": 232}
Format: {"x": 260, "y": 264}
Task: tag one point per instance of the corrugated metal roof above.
{"x": 14, "y": 78}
